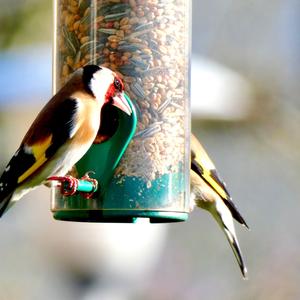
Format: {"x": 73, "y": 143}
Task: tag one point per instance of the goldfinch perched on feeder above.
{"x": 62, "y": 132}
{"x": 209, "y": 192}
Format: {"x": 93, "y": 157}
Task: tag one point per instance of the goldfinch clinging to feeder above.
{"x": 62, "y": 132}
{"x": 209, "y": 192}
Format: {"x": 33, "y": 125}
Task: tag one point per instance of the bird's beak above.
{"x": 120, "y": 102}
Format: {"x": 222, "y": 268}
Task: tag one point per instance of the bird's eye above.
{"x": 118, "y": 84}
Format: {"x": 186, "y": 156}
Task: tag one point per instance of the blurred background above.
{"x": 246, "y": 111}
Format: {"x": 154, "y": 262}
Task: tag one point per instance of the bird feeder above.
{"x": 142, "y": 168}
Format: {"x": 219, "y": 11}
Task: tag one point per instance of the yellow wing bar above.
{"x": 39, "y": 153}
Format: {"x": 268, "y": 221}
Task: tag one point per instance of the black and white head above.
{"x": 106, "y": 86}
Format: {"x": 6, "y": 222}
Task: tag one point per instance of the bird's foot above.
{"x": 68, "y": 184}
{"x": 94, "y": 183}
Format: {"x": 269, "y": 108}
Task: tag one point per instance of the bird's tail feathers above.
{"x": 236, "y": 250}
{"x": 4, "y": 203}
{"x": 225, "y": 221}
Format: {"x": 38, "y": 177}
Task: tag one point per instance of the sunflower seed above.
{"x": 107, "y": 30}
{"x": 117, "y": 16}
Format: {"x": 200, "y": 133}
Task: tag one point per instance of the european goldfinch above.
{"x": 62, "y": 132}
{"x": 209, "y": 192}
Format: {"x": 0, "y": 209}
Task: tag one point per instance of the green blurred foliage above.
{"x": 25, "y": 22}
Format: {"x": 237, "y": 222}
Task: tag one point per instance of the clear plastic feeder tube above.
{"x": 148, "y": 43}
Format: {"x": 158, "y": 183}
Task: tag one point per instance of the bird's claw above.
{"x": 94, "y": 182}
{"x": 68, "y": 185}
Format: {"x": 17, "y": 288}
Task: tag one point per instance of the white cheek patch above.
{"x": 101, "y": 82}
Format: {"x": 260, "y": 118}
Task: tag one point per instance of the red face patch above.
{"x": 117, "y": 85}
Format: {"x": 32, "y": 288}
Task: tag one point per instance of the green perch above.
{"x": 85, "y": 186}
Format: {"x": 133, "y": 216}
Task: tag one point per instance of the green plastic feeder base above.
{"x": 119, "y": 216}
{"x": 125, "y": 202}
{"x": 122, "y": 199}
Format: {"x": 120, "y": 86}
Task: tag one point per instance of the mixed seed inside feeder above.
{"x": 146, "y": 42}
